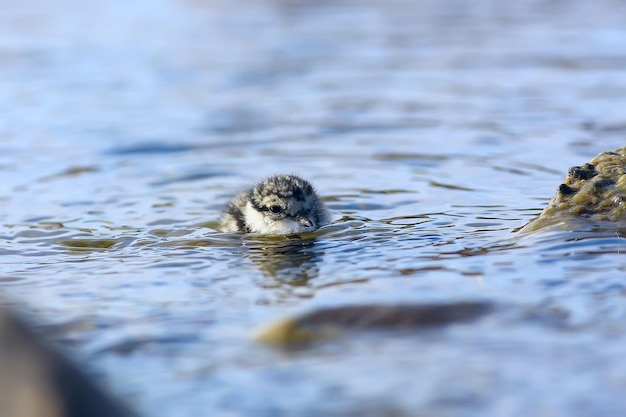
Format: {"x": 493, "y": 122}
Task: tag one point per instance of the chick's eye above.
{"x": 276, "y": 209}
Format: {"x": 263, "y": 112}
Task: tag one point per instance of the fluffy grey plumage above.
{"x": 281, "y": 204}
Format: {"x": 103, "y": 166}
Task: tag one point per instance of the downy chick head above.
{"x": 284, "y": 204}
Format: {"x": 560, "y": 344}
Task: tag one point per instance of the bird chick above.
{"x": 281, "y": 204}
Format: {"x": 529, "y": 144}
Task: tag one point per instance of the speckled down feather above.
{"x": 281, "y": 204}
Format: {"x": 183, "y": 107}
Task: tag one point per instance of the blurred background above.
{"x": 433, "y": 129}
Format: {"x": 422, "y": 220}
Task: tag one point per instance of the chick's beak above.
{"x": 304, "y": 221}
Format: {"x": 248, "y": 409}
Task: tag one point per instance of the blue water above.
{"x": 432, "y": 129}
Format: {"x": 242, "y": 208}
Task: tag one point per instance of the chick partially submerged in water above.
{"x": 281, "y": 204}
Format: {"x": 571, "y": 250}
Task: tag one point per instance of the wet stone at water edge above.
{"x": 595, "y": 191}
{"x": 329, "y": 323}
{"x": 35, "y": 381}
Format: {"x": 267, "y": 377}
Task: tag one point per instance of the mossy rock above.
{"x": 594, "y": 192}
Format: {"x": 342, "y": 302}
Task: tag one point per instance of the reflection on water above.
{"x": 433, "y": 130}
{"x": 293, "y": 261}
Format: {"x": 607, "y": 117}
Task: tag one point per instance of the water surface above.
{"x": 433, "y": 130}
